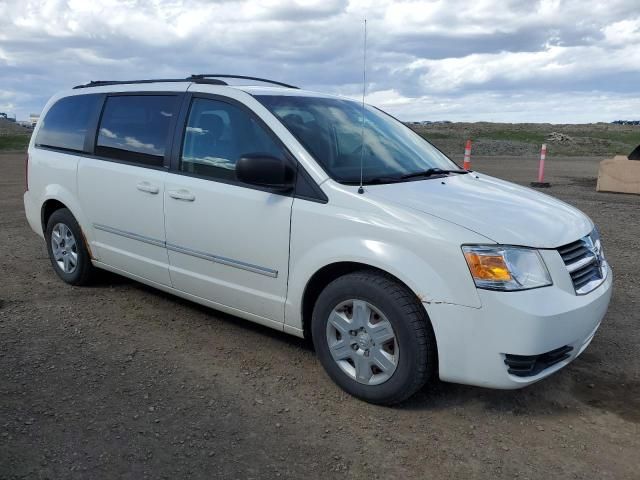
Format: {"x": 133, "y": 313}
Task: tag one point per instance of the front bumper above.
{"x": 473, "y": 342}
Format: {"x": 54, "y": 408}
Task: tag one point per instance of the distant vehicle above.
{"x": 319, "y": 217}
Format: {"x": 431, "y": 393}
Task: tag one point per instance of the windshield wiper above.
{"x": 373, "y": 181}
{"x": 388, "y": 179}
{"x": 430, "y": 172}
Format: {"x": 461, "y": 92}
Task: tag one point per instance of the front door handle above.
{"x": 182, "y": 194}
{"x": 147, "y": 187}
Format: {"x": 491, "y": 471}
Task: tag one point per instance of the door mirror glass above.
{"x": 265, "y": 171}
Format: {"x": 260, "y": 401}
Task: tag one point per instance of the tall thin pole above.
{"x": 364, "y": 93}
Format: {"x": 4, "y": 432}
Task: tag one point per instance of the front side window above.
{"x": 135, "y": 128}
{"x": 66, "y": 122}
{"x": 217, "y": 135}
{"x": 331, "y": 129}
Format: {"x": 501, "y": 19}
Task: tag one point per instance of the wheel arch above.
{"x": 52, "y": 203}
{"x": 324, "y": 276}
{"x": 48, "y": 207}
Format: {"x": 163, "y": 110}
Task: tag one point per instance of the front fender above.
{"x": 420, "y": 250}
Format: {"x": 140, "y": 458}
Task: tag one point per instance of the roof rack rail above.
{"x": 102, "y": 83}
{"x": 201, "y": 76}
{"x": 211, "y": 79}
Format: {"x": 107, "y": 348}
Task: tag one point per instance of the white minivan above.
{"x": 323, "y": 218}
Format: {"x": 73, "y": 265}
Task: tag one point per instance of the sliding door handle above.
{"x": 184, "y": 195}
{"x": 147, "y": 187}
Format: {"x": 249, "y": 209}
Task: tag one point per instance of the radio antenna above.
{"x": 364, "y": 92}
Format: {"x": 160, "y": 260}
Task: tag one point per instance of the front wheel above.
{"x": 373, "y": 337}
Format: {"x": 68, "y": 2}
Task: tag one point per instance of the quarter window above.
{"x": 217, "y": 135}
{"x": 65, "y": 124}
{"x": 135, "y": 128}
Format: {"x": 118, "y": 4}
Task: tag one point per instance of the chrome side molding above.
{"x": 269, "y": 272}
{"x": 223, "y": 260}
{"x": 133, "y": 236}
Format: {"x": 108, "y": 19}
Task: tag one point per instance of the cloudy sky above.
{"x": 520, "y": 60}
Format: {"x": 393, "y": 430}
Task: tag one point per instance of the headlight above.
{"x": 506, "y": 268}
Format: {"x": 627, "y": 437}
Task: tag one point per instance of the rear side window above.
{"x": 135, "y": 128}
{"x": 66, "y": 123}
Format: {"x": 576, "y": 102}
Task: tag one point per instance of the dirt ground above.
{"x": 121, "y": 381}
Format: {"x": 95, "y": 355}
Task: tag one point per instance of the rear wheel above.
{"x": 67, "y": 251}
{"x": 373, "y": 337}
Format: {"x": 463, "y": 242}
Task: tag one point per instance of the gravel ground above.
{"x": 120, "y": 380}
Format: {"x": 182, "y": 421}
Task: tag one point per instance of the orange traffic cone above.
{"x": 467, "y": 156}
{"x": 543, "y": 156}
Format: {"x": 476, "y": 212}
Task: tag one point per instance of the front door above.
{"x": 227, "y": 242}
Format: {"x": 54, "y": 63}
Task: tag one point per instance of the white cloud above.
{"x": 107, "y": 133}
{"x": 6, "y": 104}
{"x": 423, "y": 54}
{"x": 624, "y": 32}
{"x": 551, "y": 63}
{"x": 134, "y": 142}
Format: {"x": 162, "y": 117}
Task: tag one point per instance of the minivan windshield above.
{"x": 331, "y": 130}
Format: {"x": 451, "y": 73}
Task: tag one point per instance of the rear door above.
{"x": 122, "y": 186}
{"x": 228, "y": 242}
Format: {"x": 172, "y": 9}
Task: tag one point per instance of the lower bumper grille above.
{"x": 530, "y": 365}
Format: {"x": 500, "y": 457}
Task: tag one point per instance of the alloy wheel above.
{"x": 64, "y": 248}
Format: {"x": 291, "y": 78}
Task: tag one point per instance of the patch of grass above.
{"x": 524, "y": 136}
{"x": 430, "y": 135}
{"x": 629, "y": 138}
{"x": 14, "y": 142}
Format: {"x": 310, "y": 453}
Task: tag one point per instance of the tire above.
{"x": 409, "y": 359}
{"x": 73, "y": 265}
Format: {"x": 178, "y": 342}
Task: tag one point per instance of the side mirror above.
{"x": 265, "y": 171}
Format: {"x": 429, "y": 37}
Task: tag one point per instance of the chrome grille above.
{"x": 585, "y": 263}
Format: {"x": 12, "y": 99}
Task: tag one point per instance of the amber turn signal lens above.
{"x": 487, "y": 267}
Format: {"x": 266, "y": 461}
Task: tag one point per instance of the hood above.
{"x": 501, "y": 211}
